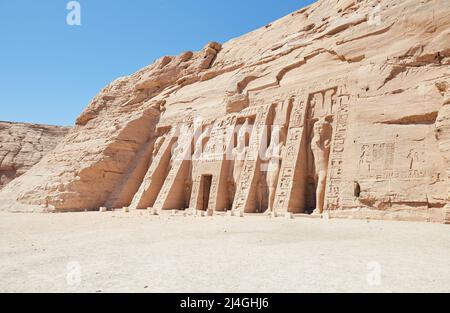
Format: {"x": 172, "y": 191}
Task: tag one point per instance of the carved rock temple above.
{"x": 340, "y": 109}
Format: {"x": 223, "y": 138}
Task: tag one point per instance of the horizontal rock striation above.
{"x": 23, "y": 145}
{"x": 340, "y": 108}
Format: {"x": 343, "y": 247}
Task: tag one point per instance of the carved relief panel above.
{"x": 245, "y": 195}
{"x": 336, "y": 163}
{"x": 312, "y": 168}
{"x": 213, "y": 163}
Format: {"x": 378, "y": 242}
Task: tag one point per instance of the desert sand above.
{"x": 137, "y": 252}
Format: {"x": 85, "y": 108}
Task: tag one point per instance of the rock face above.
{"x": 23, "y": 145}
{"x": 339, "y": 108}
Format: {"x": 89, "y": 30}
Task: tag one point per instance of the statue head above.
{"x": 279, "y": 134}
{"x": 243, "y": 134}
{"x": 241, "y": 140}
{"x": 246, "y": 123}
{"x": 158, "y": 143}
{"x": 322, "y": 128}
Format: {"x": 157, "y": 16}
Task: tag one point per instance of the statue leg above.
{"x": 272, "y": 191}
{"x": 320, "y": 192}
{"x": 232, "y": 193}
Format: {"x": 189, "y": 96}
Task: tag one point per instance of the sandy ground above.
{"x": 118, "y": 252}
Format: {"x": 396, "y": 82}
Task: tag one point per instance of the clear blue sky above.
{"x": 49, "y": 71}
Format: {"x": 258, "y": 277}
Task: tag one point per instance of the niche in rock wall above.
{"x": 322, "y": 104}
{"x": 241, "y": 145}
{"x": 319, "y": 132}
{"x": 243, "y": 131}
{"x": 271, "y": 159}
{"x": 258, "y": 192}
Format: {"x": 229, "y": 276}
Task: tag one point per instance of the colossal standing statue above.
{"x": 261, "y": 193}
{"x": 239, "y": 156}
{"x": 320, "y": 146}
{"x": 274, "y": 156}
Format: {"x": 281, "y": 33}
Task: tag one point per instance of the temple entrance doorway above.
{"x": 205, "y": 191}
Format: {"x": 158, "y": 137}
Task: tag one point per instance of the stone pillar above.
{"x": 335, "y": 169}
{"x": 290, "y": 191}
{"x": 246, "y": 189}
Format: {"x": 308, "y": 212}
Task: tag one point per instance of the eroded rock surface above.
{"x": 339, "y": 108}
{"x": 23, "y": 145}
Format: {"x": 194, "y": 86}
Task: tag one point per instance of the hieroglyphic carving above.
{"x": 238, "y": 157}
{"x": 291, "y": 153}
{"x": 400, "y": 175}
{"x": 218, "y": 199}
{"x": 335, "y": 172}
{"x": 274, "y": 155}
{"x": 213, "y": 192}
{"x": 376, "y": 157}
{"x": 213, "y": 162}
{"x": 414, "y": 157}
{"x": 377, "y": 162}
{"x": 220, "y": 137}
{"x": 321, "y": 111}
{"x": 247, "y": 180}
{"x": 321, "y": 102}
{"x": 196, "y": 181}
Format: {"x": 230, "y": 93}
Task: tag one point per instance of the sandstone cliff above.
{"x": 23, "y": 145}
{"x": 357, "y": 89}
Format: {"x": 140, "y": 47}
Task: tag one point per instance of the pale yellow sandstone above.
{"x": 23, "y": 145}
{"x": 355, "y": 97}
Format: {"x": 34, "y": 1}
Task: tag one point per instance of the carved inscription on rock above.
{"x": 335, "y": 175}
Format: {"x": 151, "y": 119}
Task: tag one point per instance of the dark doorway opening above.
{"x": 205, "y": 186}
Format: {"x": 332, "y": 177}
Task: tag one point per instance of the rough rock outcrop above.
{"x": 339, "y": 108}
{"x": 23, "y": 145}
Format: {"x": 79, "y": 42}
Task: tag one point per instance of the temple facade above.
{"x": 300, "y": 151}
